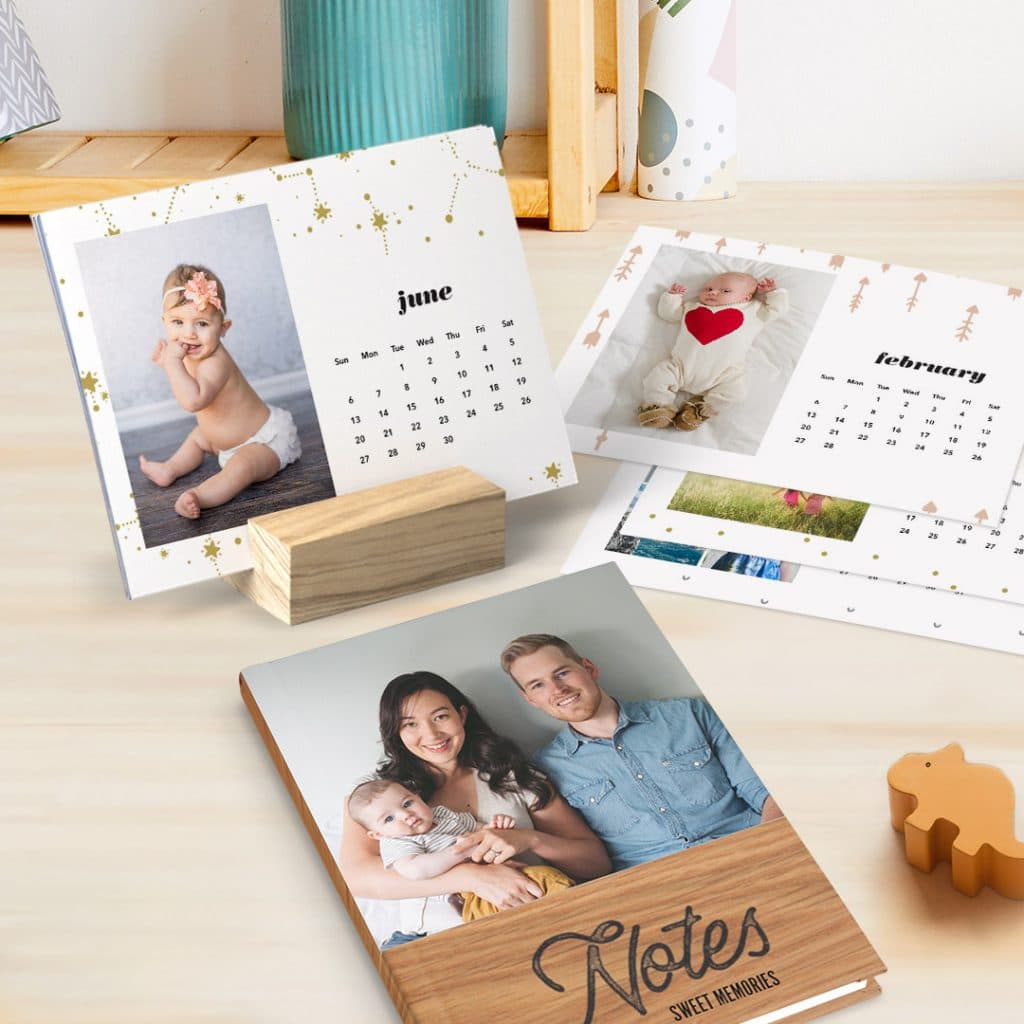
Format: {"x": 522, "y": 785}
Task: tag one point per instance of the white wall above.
{"x": 829, "y": 90}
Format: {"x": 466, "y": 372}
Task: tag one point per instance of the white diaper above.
{"x": 278, "y": 434}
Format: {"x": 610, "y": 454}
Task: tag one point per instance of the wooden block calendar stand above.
{"x": 346, "y": 552}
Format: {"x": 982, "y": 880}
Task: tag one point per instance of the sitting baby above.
{"x": 707, "y": 361}
{"x": 418, "y": 841}
{"x": 253, "y": 441}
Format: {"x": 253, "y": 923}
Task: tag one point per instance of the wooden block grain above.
{"x": 346, "y": 552}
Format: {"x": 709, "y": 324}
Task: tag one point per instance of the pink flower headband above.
{"x": 199, "y": 290}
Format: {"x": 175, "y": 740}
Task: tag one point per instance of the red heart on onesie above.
{"x": 707, "y": 326}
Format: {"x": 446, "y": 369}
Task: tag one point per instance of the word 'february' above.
{"x": 973, "y": 376}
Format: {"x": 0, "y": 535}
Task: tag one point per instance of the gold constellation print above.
{"x": 112, "y": 228}
{"x": 465, "y": 165}
{"x": 211, "y": 551}
{"x": 94, "y": 390}
{"x": 175, "y": 192}
{"x": 321, "y": 211}
{"x": 553, "y": 473}
{"x": 128, "y": 523}
{"x": 381, "y": 221}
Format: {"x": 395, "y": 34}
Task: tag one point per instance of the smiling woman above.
{"x": 520, "y": 841}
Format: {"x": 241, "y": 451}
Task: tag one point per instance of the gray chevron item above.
{"x": 26, "y": 99}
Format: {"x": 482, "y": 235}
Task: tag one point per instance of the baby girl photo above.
{"x": 503, "y": 754}
{"x": 704, "y": 350}
{"x": 205, "y": 373}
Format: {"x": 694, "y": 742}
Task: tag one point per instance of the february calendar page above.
{"x": 836, "y": 375}
{"x": 251, "y": 343}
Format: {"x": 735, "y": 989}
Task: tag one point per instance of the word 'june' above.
{"x": 424, "y": 298}
{"x": 658, "y": 962}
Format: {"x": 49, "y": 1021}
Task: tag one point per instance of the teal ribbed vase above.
{"x": 360, "y": 73}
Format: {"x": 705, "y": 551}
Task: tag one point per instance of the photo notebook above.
{"x": 250, "y": 343}
{"x": 513, "y": 815}
{"x": 826, "y": 373}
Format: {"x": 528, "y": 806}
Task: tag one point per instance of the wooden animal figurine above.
{"x": 949, "y": 809}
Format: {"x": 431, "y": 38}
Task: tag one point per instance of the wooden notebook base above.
{"x": 345, "y": 552}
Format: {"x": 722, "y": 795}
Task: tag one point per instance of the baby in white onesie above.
{"x": 708, "y": 359}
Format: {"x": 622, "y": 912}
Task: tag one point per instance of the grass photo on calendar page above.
{"x": 782, "y": 508}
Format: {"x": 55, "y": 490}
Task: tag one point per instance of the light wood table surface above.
{"x": 152, "y": 867}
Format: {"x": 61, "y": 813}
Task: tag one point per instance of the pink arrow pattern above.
{"x": 836, "y": 262}
{"x": 682, "y": 235}
{"x": 858, "y": 295}
{"x": 591, "y": 340}
{"x": 963, "y": 332}
{"x": 919, "y": 280}
{"x": 625, "y": 269}
{"x": 600, "y": 440}
{"x": 1014, "y": 293}
{"x": 720, "y": 245}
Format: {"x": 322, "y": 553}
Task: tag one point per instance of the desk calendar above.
{"x": 685, "y": 562}
{"x": 985, "y": 558}
{"x": 886, "y": 384}
{"x": 379, "y": 298}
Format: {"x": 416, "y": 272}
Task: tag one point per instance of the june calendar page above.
{"x": 254, "y": 342}
{"x": 828, "y": 373}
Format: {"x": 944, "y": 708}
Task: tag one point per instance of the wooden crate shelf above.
{"x": 555, "y": 176}
{"x": 46, "y": 170}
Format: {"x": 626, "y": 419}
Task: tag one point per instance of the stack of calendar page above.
{"x": 807, "y": 432}
{"x": 255, "y": 342}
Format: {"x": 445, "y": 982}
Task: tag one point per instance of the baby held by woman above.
{"x": 418, "y": 841}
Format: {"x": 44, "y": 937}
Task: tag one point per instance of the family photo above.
{"x": 483, "y": 763}
{"x": 202, "y": 362}
{"x": 704, "y": 350}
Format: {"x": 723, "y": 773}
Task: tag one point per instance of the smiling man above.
{"x": 650, "y": 777}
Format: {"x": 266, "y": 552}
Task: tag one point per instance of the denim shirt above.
{"x": 670, "y": 777}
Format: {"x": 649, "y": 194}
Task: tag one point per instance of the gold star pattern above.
{"x": 239, "y": 197}
{"x": 553, "y": 472}
{"x": 170, "y": 204}
{"x": 211, "y": 550}
{"x": 321, "y": 211}
{"x": 112, "y": 228}
{"x": 462, "y": 174}
{"x": 381, "y": 222}
{"x": 164, "y": 552}
{"x": 90, "y": 384}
